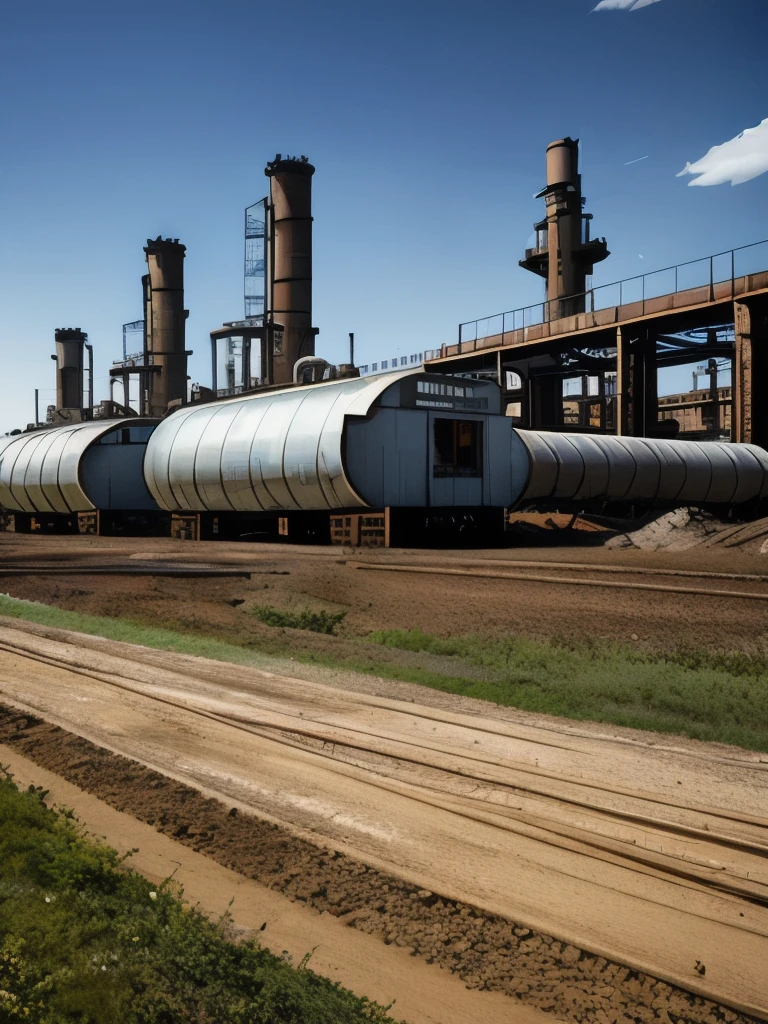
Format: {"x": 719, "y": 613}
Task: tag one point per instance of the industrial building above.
{"x": 552, "y": 406}
{"x": 414, "y": 446}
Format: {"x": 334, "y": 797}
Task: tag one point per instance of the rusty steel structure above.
{"x": 165, "y": 321}
{"x": 589, "y": 360}
{"x": 564, "y": 253}
{"x": 263, "y": 349}
{"x": 161, "y": 367}
{"x": 290, "y": 289}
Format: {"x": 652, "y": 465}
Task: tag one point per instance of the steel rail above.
{"x": 626, "y": 570}
{"x": 707, "y": 878}
{"x": 562, "y": 581}
{"x": 121, "y": 570}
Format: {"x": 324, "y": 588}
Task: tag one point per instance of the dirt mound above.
{"x": 677, "y": 530}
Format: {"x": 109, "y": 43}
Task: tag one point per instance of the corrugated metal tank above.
{"x": 343, "y": 444}
{"x": 76, "y": 468}
{"x": 577, "y": 467}
{"x": 415, "y": 439}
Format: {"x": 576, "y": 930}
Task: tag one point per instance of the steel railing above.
{"x": 709, "y": 271}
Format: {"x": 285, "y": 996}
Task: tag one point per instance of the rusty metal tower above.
{"x": 290, "y": 287}
{"x": 564, "y": 253}
{"x": 165, "y": 322}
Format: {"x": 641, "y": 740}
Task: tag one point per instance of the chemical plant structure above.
{"x": 554, "y": 406}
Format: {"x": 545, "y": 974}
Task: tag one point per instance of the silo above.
{"x": 165, "y": 323}
{"x": 70, "y": 362}
{"x": 291, "y": 263}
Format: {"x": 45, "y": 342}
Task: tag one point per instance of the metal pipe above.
{"x": 300, "y": 364}
{"x": 37, "y": 407}
{"x": 90, "y": 375}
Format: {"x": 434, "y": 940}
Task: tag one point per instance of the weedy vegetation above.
{"x": 720, "y": 697}
{"x": 316, "y": 622}
{"x": 83, "y": 940}
{"x": 707, "y": 696}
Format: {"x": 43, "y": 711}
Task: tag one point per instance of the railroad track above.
{"x": 8, "y": 568}
{"x": 709, "y": 849}
{"x": 544, "y": 825}
{"x": 478, "y": 571}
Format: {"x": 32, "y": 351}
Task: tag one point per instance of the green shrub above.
{"x": 317, "y": 622}
{"x": 84, "y": 941}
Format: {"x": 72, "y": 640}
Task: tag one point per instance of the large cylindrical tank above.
{"x": 70, "y": 363}
{"x": 165, "y": 323}
{"x": 291, "y": 298}
{"x": 77, "y": 468}
{"x": 573, "y": 468}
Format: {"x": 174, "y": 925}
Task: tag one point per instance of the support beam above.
{"x": 623, "y": 385}
{"x": 644, "y": 405}
{"x": 750, "y": 410}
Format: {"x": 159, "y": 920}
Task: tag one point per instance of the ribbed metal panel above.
{"x": 40, "y": 471}
{"x": 280, "y": 450}
{"x": 577, "y": 467}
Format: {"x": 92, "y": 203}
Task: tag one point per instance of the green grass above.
{"x": 704, "y": 695}
{"x": 85, "y": 941}
{"x": 718, "y": 697}
{"x": 316, "y": 622}
{"x": 127, "y": 631}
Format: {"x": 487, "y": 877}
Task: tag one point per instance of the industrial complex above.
{"x": 551, "y": 406}
{"x": 482, "y": 729}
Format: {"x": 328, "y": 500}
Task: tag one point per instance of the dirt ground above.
{"x": 522, "y": 857}
{"x": 423, "y": 993}
{"x": 512, "y": 850}
{"x": 294, "y": 578}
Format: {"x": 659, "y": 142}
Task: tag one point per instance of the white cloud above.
{"x": 623, "y": 5}
{"x": 737, "y": 160}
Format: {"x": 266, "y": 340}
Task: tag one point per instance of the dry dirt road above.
{"x": 644, "y": 853}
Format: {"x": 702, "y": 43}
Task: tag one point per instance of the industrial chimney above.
{"x": 290, "y": 301}
{"x": 165, "y": 318}
{"x": 564, "y": 253}
{"x": 70, "y": 363}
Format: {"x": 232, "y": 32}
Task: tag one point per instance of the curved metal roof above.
{"x": 40, "y": 471}
{"x": 580, "y": 466}
{"x": 255, "y": 453}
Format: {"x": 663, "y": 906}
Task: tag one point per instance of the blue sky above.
{"x": 427, "y": 123}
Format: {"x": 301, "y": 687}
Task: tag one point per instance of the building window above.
{"x": 458, "y": 449}
{"x": 403, "y": 360}
{"x": 374, "y": 367}
{"x": 384, "y": 364}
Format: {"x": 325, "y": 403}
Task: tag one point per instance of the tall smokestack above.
{"x": 70, "y": 353}
{"x": 291, "y": 293}
{"x": 165, "y": 318}
{"x": 564, "y": 253}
